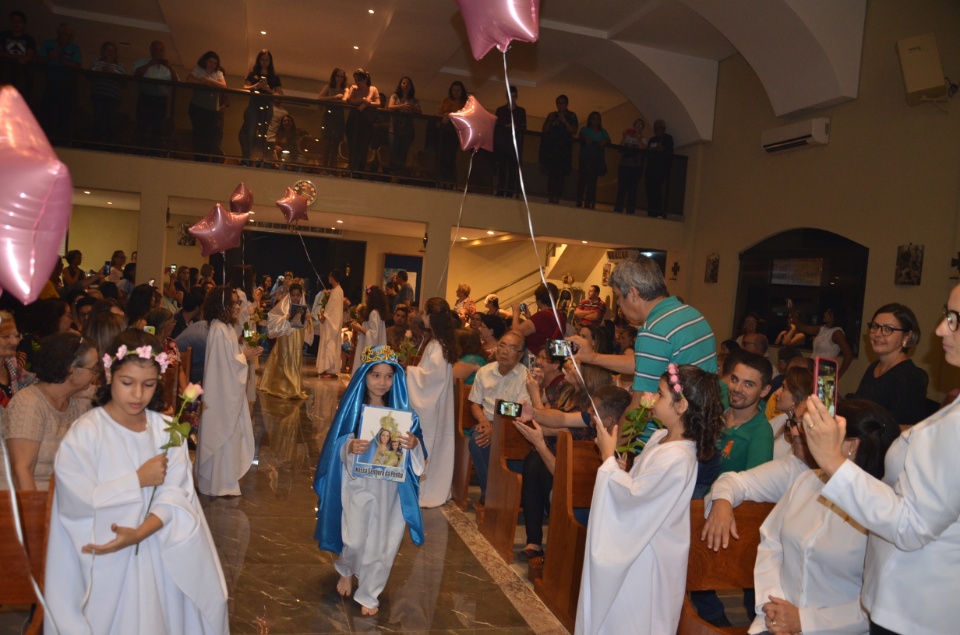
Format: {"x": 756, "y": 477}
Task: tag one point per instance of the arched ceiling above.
{"x": 661, "y": 56}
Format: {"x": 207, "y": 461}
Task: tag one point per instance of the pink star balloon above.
{"x": 36, "y": 198}
{"x": 219, "y": 230}
{"x": 241, "y": 200}
{"x": 293, "y": 206}
{"x": 498, "y": 22}
{"x": 474, "y": 126}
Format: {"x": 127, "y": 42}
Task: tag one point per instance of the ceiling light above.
{"x": 370, "y": 11}
{"x": 584, "y": 242}
{"x": 109, "y": 202}
{"x": 463, "y": 238}
{"x": 490, "y": 232}
{"x": 340, "y": 221}
{"x": 334, "y": 228}
{"x": 263, "y": 32}
{"x": 86, "y": 191}
{"x": 356, "y": 48}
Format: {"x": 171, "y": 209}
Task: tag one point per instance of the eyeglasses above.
{"x": 19, "y": 336}
{"x": 885, "y": 329}
{"x": 507, "y": 347}
{"x": 92, "y": 369}
{"x": 952, "y": 318}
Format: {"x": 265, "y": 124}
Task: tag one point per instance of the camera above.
{"x": 509, "y": 408}
{"x": 561, "y": 348}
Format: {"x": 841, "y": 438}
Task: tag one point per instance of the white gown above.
{"x": 225, "y": 450}
{"x": 430, "y": 387}
{"x": 174, "y": 584}
{"x": 372, "y": 527}
{"x": 638, "y": 541}
{"x": 376, "y": 335}
{"x": 328, "y": 351}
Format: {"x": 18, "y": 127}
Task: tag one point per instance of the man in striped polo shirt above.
{"x": 670, "y": 331}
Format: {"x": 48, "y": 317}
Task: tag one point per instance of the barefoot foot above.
{"x": 364, "y": 611}
{"x": 345, "y": 586}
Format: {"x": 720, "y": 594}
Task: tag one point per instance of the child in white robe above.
{"x": 638, "y": 539}
{"x": 117, "y": 564}
{"x": 363, "y": 519}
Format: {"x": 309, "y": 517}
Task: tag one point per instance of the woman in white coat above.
{"x": 910, "y": 583}
{"x": 430, "y": 385}
{"x": 225, "y": 449}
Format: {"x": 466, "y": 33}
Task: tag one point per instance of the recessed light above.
{"x": 584, "y": 242}
{"x": 263, "y": 32}
{"x": 333, "y": 228}
{"x": 340, "y": 221}
{"x": 109, "y": 202}
{"x": 464, "y": 238}
{"x": 356, "y": 48}
{"x": 491, "y": 233}
{"x": 86, "y": 191}
{"x": 370, "y": 11}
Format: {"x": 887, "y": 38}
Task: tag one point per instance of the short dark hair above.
{"x": 132, "y": 339}
{"x": 58, "y": 355}
{"x": 336, "y": 274}
{"x": 563, "y": 97}
{"x": 876, "y": 429}
{"x": 904, "y": 315}
{"x": 787, "y": 353}
{"x": 611, "y": 401}
{"x": 16, "y": 13}
{"x": 402, "y": 275}
{"x": 402, "y": 308}
{"x": 554, "y": 359}
{"x": 758, "y": 363}
{"x": 85, "y": 300}
{"x": 495, "y": 323}
{"x": 544, "y": 293}
{"x": 193, "y": 299}
{"x": 513, "y": 90}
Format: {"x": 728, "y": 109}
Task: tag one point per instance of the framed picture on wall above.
{"x": 184, "y": 237}
{"x": 909, "y": 264}
{"x": 712, "y": 273}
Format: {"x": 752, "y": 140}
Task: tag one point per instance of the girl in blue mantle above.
{"x": 363, "y": 519}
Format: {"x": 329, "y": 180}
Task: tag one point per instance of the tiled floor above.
{"x": 280, "y": 583}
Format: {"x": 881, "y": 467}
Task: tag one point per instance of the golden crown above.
{"x": 378, "y": 354}
{"x": 389, "y": 423}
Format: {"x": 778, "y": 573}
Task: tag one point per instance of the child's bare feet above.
{"x": 368, "y": 612}
{"x": 345, "y": 586}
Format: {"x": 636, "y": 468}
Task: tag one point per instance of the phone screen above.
{"x": 825, "y": 381}
{"x": 106, "y": 267}
{"x": 560, "y": 348}
{"x": 173, "y": 268}
{"x": 510, "y": 408}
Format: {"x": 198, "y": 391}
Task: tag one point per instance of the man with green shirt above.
{"x": 747, "y": 439}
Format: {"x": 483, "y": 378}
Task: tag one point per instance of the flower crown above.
{"x": 142, "y": 352}
{"x": 378, "y": 355}
{"x": 673, "y": 371}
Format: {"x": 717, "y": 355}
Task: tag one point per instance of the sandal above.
{"x": 529, "y": 554}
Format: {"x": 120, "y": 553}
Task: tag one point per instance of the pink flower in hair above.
{"x": 145, "y": 352}
{"x": 107, "y": 361}
{"x": 122, "y": 351}
{"x": 164, "y": 360}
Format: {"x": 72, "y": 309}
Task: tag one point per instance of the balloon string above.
{"x": 456, "y": 234}
{"x": 533, "y": 237}
{"x": 17, "y": 523}
{"x": 306, "y": 251}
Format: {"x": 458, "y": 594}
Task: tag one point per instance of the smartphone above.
{"x": 173, "y": 268}
{"x": 106, "y": 268}
{"x": 150, "y": 329}
{"x": 509, "y": 408}
{"x": 825, "y": 382}
{"x": 151, "y": 281}
{"x": 561, "y": 348}
{"x": 523, "y": 307}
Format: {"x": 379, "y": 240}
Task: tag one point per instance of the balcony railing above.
{"x": 123, "y": 113}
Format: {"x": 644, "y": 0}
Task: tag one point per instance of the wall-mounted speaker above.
{"x": 921, "y": 69}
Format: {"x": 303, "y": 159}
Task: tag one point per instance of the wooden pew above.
{"x": 503, "y": 486}
{"x": 462, "y": 466}
{"x": 170, "y": 383}
{"x": 15, "y": 587}
{"x": 730, "y": 568}
{"x": 573, "y": 479}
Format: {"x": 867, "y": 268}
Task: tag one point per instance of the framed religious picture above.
{"x": 712, "y": 272}
{"x": 909, "y": 264}
{"x": 184, "y": 237}
{"x": 385, "y": 459}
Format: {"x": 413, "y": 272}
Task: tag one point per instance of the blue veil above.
{"x": 328, "y": 479}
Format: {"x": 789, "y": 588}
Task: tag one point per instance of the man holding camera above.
{"x": 505, "y": 379}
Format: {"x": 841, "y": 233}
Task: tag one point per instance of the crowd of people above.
{"x": 356, "y": 118}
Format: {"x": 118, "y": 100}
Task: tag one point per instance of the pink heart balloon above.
{"x": 241, "y": 201}
{"x": 474, "y": 126}
{"x": 36, "y": 199}
{"x": 293, "y": 206}
{"x": 498, "y": 22}
{"x": 219, "y": 230}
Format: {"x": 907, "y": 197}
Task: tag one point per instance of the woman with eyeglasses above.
{"x": 225, "y": 448}
{"x": 910, "y": 583}
{"x": 893, "y": 381}
{"x": 13, "y": 376}
{"x": 38, "y": 416}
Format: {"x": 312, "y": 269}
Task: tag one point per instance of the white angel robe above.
{"x": 225, "y": 448}
{"x": 430, "y": 387}
{"x": 329, "y": 331}
{"x": 376, "y": 335}
{"x": 246, "y": 310}
{"x": 372, "y": 527}
{"x": 638, "y": 539}
{"x": 174, "y": 584}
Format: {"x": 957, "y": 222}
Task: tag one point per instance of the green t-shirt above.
{"x": 748, "y": 445}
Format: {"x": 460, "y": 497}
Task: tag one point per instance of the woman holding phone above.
{"x": 913, "y": 514}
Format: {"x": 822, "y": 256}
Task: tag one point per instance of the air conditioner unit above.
{"x": 803, "y": 134}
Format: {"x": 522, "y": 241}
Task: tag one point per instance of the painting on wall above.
{"x": 909, "y": 264}
{"x": 184, "y": 237}
{"x": 712, "y": 272}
